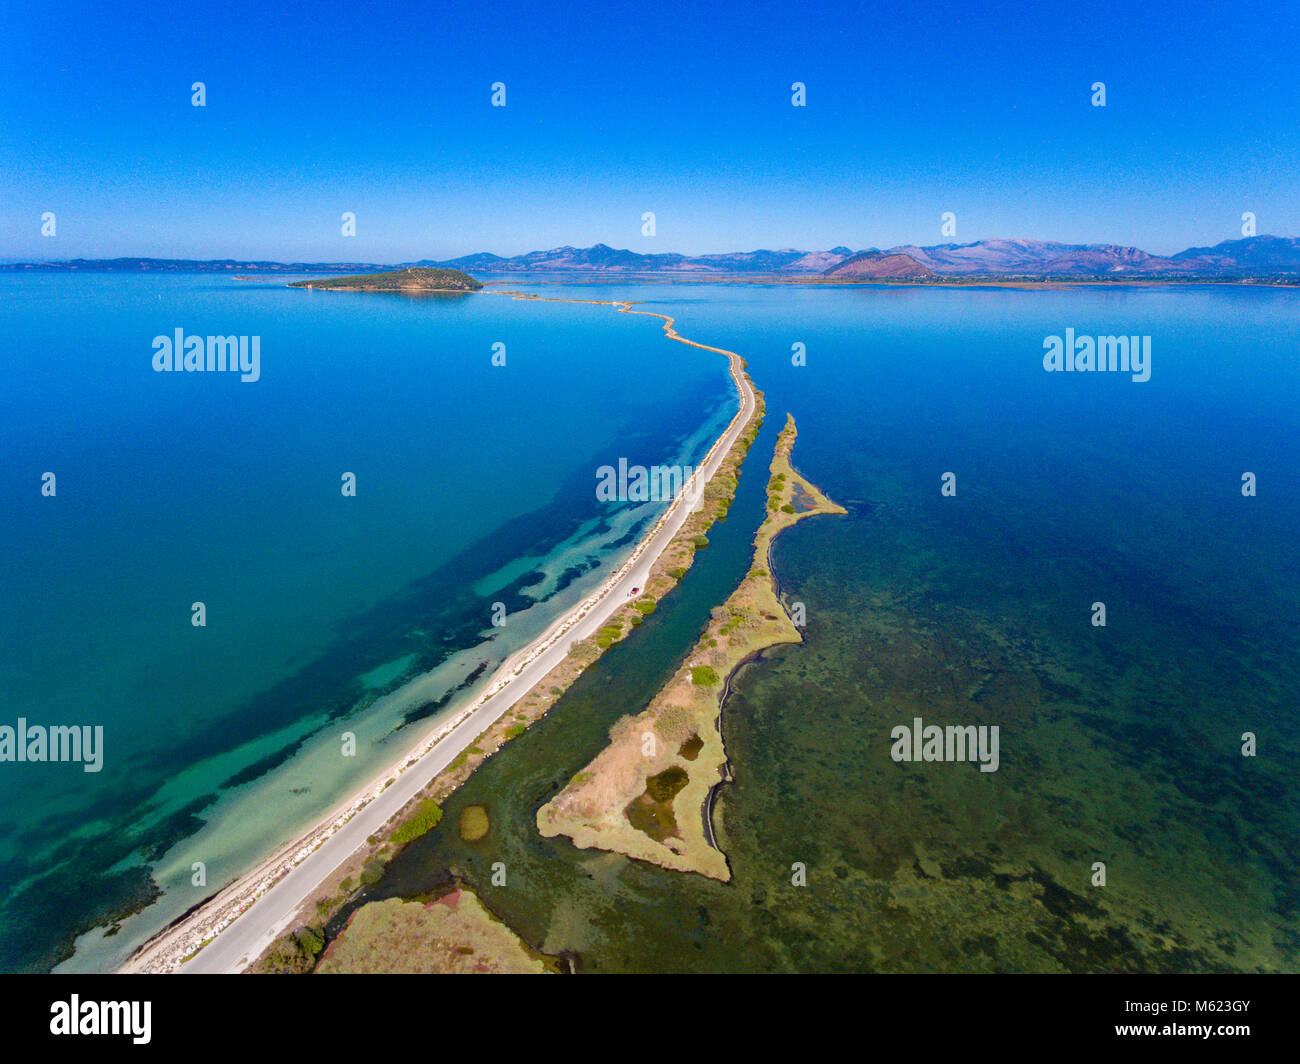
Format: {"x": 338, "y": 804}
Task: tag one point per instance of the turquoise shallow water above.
{"x": 1120, "y": 745}
{"x": 321, "y": 609}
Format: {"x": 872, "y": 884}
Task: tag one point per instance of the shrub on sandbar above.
{"x": 704, "y": 676}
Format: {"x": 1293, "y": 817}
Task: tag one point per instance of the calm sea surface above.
{"x": 325, "y": 613}
{"x": 1119, "y": 745}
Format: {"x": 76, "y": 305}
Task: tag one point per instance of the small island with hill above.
{"x": 413, "y": 279}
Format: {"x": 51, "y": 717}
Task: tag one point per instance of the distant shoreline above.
{"x": 559, "y": 277}
{"x": 1253, "y": 258}
{"x": 249, "y": 272}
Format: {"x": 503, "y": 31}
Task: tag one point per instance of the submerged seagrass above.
{"x": 647, "y": 795}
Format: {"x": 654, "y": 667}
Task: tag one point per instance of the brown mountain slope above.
{"x": 881, "y": 265}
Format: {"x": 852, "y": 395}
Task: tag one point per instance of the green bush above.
{"x": 677, "y": 572}
{"x": 310, "y": 941}
{"x": 704, "y": 676}
{"x": 425, "y": 818}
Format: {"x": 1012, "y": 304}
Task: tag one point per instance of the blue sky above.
{"x": 613, "y": 109}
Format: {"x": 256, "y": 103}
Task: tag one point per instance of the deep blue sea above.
{"x": 325, "y": 613}
{"x": 1125, "y": 829}
{"x": 475, "y": 484}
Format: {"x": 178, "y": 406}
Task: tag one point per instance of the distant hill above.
{"x": 883, "y": 266}
{"x": 1039, "y": 258}
{"x": 605, "y": 259}
{"x": 233, "y": 266}
{"x": 1260, "y": 256}
{"x": 1257, "y": 257}
{"x": 1268, "y": 254}
{"x": 412, "y": 279}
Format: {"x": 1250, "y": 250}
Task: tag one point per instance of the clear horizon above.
{"x": 389, "y": 115}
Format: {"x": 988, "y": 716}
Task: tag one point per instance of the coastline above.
{"x": 267, "y": 899}
{"x": 544, "y": 277}
{"x": 637, "y": 796}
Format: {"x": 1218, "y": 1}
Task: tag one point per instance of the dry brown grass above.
{"x": 591, "y": 810}
{"x": 452, "y": 934}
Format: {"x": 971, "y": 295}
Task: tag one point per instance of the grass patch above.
{"x": 424, "y": 819}
{"x": 704, "y": 676}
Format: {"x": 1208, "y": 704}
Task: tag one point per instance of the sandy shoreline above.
{"x": 233, "y": 927}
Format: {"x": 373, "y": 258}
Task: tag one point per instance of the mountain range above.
{"x": 1259, "y": 256}
{"x": 1244, "y": 258}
